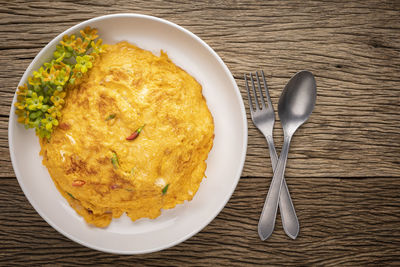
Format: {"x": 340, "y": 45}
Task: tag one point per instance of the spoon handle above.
{"x": 288, "y": 214}
{"x": 290, "y": 222}
{"x": 266, "y": 223}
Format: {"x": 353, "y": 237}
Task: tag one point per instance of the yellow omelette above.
{"x": 133, "y": 137}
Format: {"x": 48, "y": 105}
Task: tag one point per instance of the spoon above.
{"x": 295, "y": 106}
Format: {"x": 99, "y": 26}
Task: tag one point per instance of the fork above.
{"x": 263, "y": 117}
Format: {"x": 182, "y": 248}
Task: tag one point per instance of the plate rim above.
{"x": 244, "y": 133}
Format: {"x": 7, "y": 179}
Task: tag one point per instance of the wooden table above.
{"x": 344, "y": 164}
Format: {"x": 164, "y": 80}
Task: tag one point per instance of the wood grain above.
{"x": 343, "y": 221}
{"x": 343, "y": 169}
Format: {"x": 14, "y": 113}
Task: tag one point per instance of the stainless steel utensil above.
{"x": 295, "y": 106}
{"x": 264, "y": 118}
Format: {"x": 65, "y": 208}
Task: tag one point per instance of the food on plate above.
{"x": 132, "y": 136}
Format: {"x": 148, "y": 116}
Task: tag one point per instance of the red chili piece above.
{"x": 135, "y": 134}
{"x": 78, "y": 183}
{"x": 132, "y": 136}
{"x": 115, "y": 186}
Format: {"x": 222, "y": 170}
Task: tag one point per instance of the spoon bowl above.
{"x": 297, "y": 101}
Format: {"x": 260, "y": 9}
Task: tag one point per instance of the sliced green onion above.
{"x": 114, "y": 160}
{"x": 165, "y": 189}
{"x": 110, "y": 117}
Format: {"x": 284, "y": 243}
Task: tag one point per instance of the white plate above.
{"x": 225, "y": 161}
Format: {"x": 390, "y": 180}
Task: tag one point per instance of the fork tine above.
{"x": 254, "y": 91}
{"x": 260, "y": 91}
{"x": 266, "y": 90}
{"x": 246, "y": 82}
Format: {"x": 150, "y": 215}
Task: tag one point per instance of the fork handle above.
{"x": 288, "y": 214}
{"x": 272, "y": 152}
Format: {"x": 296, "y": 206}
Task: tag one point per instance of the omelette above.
{"x": 133, "y": 137}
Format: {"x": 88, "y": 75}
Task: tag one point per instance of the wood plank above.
{"x": 342, "y": 221}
